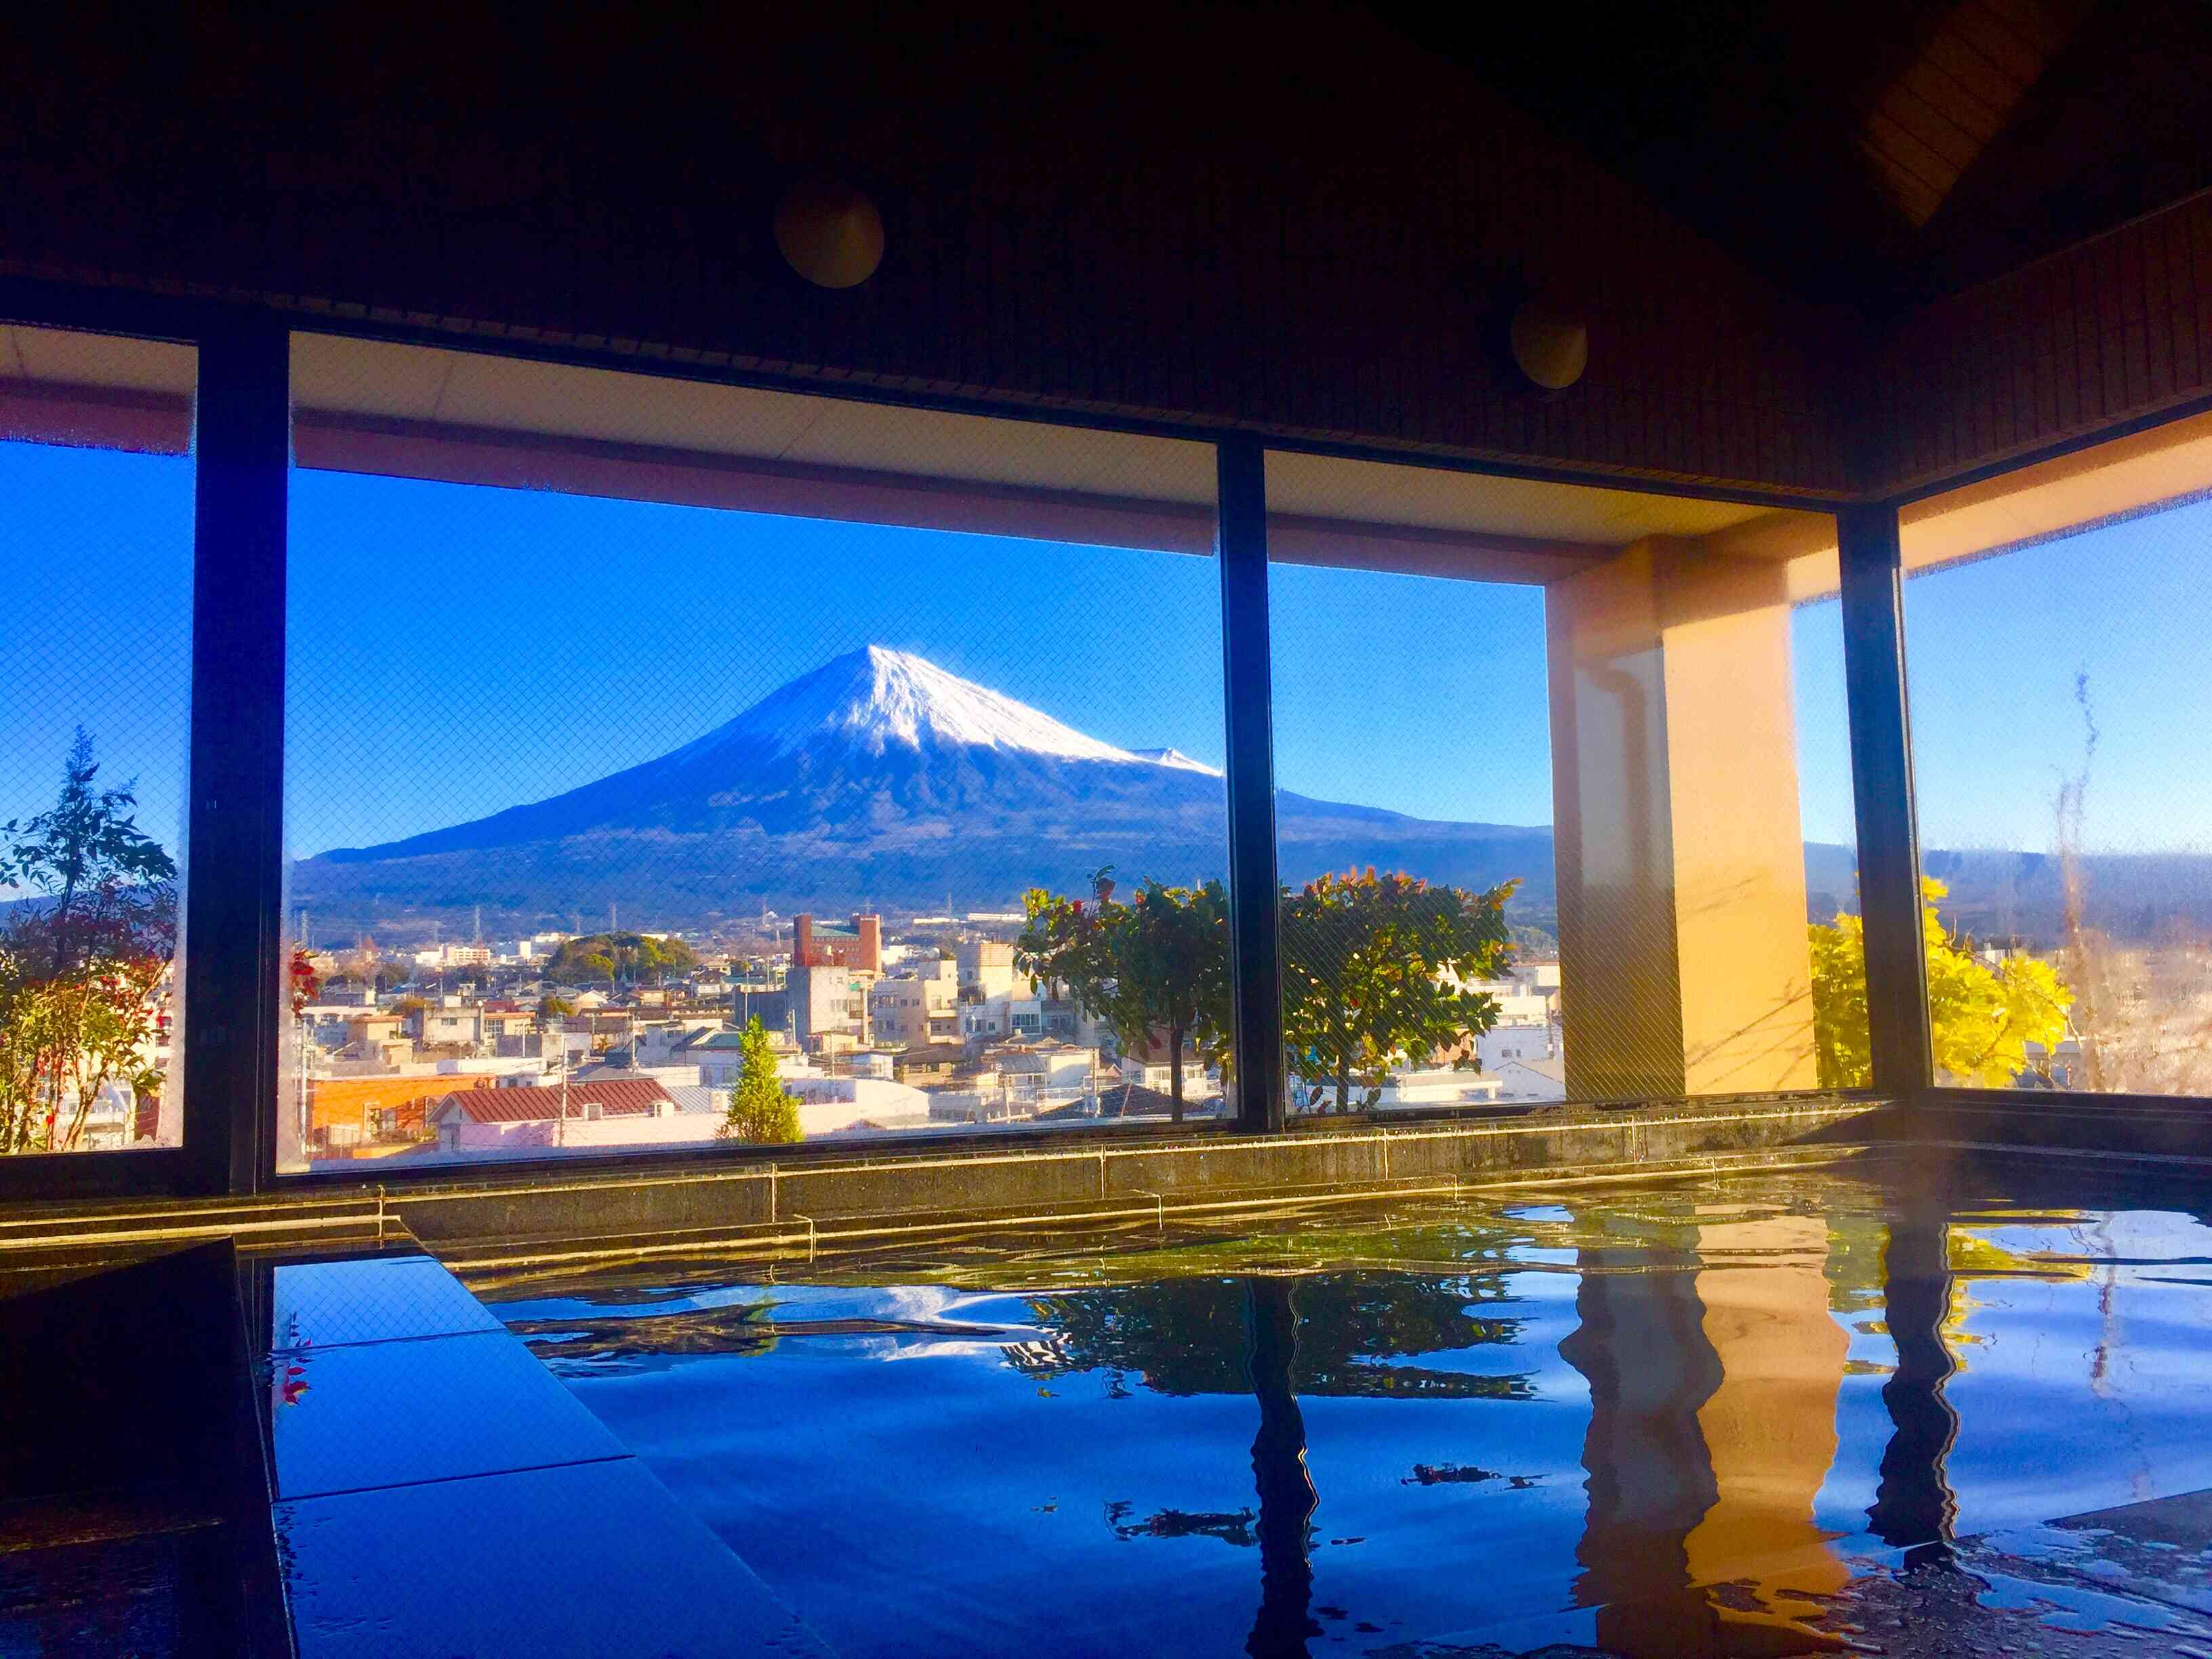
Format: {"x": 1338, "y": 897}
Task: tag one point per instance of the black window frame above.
{"x": 234, "y": 929}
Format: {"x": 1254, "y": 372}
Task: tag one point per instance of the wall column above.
{"x": 1683, "y": 947}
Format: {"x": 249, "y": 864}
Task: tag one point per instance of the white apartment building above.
{"x": 1502, "y": 1044}
{"x": 916, "y": 1007}
{"x": 986, "y": 967}
{"x": 829, "y": 1003}
{"x": 1533, "y": 1079}
{"x": 460, "y": 1025}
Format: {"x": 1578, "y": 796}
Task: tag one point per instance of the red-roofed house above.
{"x": 623, "y": 1112}
{"x": 579, "y": 1102}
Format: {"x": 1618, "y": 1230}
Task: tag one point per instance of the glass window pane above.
{"x": 96, "y": 518}
{"x": 1550, "y": 823}
{"x": 625, "y": 712}
{"x": 2065, "y": 815}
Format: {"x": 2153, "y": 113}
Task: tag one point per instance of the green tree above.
{"x": 84, "y": 964}
{"x": 1983, "y": 1015}
{"x": 760, "y": 1110}
{"x": 106, "y": 877}
{"x": 636, "y": 958}
{"x": 1375, "y": 969}
{"x": 1158, "y": 965}
{"x": 1361, "y": 1333}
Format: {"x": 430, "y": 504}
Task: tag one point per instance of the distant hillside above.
{"x": 881, "y": 781}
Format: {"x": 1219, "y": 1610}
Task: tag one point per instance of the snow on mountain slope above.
{"x": 1177, "y": 759}
{"x": 875, "y": 698}
{"x": 873, "y": 738}
{"x": 877, "y": 778}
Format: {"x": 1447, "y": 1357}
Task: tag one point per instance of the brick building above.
{"x": 824, "y": 944}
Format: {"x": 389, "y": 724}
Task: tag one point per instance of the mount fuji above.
{"x": 880, "y": 780}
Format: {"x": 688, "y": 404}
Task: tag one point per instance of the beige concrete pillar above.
{"x": 1685, "y": 965}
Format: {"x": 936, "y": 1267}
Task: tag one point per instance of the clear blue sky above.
{"x": 457, "y": 650}
{"x": 97, "y": 550}
{"x": 1993, "y": 648}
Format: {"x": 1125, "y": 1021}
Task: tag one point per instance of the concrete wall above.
{"x": 672, "y": 1129}
{"x": 1094, "y": 1171}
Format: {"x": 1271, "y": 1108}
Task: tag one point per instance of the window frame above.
{"x": 190, "y": 1167}
{"x": 235, "y": 836}
{"x": 2139, "y": 1125}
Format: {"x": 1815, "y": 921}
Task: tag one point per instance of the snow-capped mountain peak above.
{"x": 876, "y": 699}
{"x": 1178, "y": 760}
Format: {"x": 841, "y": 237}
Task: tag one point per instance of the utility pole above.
{"x": 304, "y": 1040}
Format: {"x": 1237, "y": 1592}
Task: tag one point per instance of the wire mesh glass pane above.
{"x": 96, "y": 517}
{"x": 670, "y": 764}
{"x": 1551, "y": 821}
{"x": 2065, "y": 816}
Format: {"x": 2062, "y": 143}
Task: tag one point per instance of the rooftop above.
{"x": 621, "y": 1097}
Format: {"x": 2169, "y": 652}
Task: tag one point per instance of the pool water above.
{"x": 1789, "y": 1414}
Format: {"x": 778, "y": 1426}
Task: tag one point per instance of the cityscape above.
{"x": 876, "y": 783}
{"x": 436, "y": 1016}
{"x": 882, "y": 1021}
{"x": 927, "y": 1023}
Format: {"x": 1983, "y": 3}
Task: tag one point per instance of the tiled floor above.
{"x": 132, "y": 1504}
{"x": 440, "y": 1492}
{"x": 395, "y": 1413}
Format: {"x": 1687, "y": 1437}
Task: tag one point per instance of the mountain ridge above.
{"x": 882, "y": 780}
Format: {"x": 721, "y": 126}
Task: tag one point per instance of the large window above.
{"x": 1551, "y": 821}
{"x": 2056, "y": 653}
{"x": 95, "y": 680}
{"x": 670, "y": 764}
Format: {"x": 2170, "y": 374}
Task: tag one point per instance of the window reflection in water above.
{"x": 1686, "y": 1420}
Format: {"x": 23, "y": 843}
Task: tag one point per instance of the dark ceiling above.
{"x": 1875, "y": 152}
{"x": 1870, "y": 152}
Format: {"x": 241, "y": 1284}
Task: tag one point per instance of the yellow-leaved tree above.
{"x": 1984, "y": 1014}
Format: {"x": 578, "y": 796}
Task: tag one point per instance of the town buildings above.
{"x": 934, "y": 1027}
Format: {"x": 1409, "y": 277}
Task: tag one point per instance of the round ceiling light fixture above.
{"x": 1550, "y": 344}
{"x": 830, "y": 233}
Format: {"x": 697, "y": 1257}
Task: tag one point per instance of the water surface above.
{"x": 1744, "y": 1416}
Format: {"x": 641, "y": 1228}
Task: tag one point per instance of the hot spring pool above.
{"x": 1754, "y": 1416}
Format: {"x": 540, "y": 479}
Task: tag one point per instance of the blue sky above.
{"x": 457, "y": 650}
{"x": 1993, "y": 647}
{"x": 97, "y": 551}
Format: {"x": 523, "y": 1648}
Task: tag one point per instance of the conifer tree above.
{"x": 760, "y": 1110}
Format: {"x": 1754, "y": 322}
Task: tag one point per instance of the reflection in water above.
{"x": 1287, "y": 1499}
{"x": 1913, "y": 1508}
{"x": 1770, "y": 1429}
{"x": 1713, "y": 1366}
{"x": 1645, "y": 1424}
{"x": 1641, "y": 1345}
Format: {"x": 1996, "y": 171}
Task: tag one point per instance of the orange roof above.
{"x": 341, "y": 1100}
